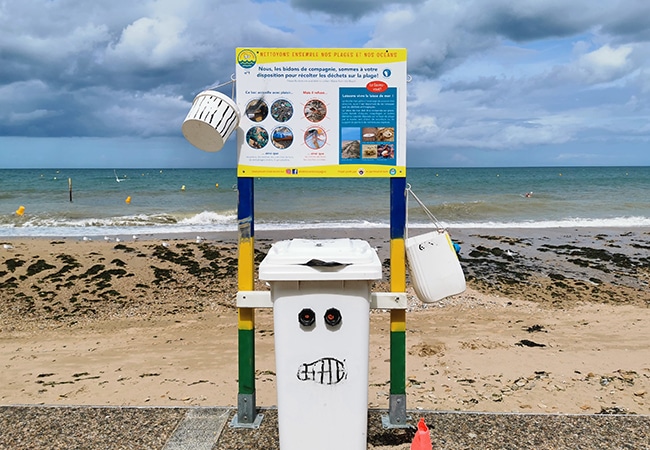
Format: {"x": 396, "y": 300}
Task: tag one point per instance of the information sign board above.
{"x": 321, "y": 112}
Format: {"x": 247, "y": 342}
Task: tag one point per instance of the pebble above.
{"x": 102, "y": 428}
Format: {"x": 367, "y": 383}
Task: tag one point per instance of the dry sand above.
{"x": 552, "y": 323}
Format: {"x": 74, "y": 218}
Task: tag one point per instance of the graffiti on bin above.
{"x": 323, "y": 371}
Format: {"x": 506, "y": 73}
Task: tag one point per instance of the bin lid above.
{"x": 321, "y": 259}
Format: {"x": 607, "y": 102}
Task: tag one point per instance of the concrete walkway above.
{"x": 169, "y": 428}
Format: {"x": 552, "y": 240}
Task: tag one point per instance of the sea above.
{"x": 113, "y": 202}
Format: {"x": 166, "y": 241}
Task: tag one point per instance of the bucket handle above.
{"x": 439, "y": 227}
{"x": 232, "y": 81}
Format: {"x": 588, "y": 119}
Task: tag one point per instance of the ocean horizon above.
{"x": 169, "y": 201}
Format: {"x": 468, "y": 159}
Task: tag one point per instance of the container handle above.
{"x": 440, "y": 228}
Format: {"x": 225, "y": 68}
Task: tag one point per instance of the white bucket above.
{"x": 435, "y": 270}
{"x": 211, "y": 120}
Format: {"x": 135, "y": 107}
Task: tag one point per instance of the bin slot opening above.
{"x": 320, "y": 263}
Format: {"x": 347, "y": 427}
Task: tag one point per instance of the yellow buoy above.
{"x": 216, "y": 185}
{"x": 128, "y": 200}
{"x": 20, "y": 211}
{"x": 182, "y": 187}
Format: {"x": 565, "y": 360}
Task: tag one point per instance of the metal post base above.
{"x": 247, "y": 416}
{"x": 396, "y": 417}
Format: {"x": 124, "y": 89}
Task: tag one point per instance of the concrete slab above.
{"x": 199, "y": 430}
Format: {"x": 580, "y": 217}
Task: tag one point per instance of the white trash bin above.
{"x": 320, "y": 291}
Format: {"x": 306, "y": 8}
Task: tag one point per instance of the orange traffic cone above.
{"x": 421, "y": 440}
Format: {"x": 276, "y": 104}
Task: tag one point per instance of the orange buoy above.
{"x": 20, "y": 211}
{"x": 128, "y": 200}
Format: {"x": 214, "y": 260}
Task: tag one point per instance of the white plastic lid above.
{"x": 321, "y": 259}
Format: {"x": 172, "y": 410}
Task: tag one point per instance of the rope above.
{"x": 429, "y": 214}
{"x": 232, "y": 82}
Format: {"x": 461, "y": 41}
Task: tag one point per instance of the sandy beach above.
{"x": 552, "y": 322}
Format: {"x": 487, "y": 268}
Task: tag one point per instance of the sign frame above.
{"x": 321, "y": 112}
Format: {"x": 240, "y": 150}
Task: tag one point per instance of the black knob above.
{"x": 306, "y": 317}
{"x": 332, "y": 317}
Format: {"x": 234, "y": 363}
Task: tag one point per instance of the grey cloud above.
{"x": 629, "y": 21}
{"x": 75, "y": 70}
{"x": 478, "y": 84}
{"x": 442, "y": 34}
{"x": 529, "y": 20}
{"x": 130, "y": 69}
{"x": 351, "y": 9}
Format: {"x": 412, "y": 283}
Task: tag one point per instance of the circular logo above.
{"x": 387, "y": 73}
{"x": 393, "y": 171}
{"x": 246, "y": 58}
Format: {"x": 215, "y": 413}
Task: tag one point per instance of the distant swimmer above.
{"x": 528, "y": 194}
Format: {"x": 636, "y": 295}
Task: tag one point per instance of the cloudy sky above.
{"x": 494, "y": 82}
